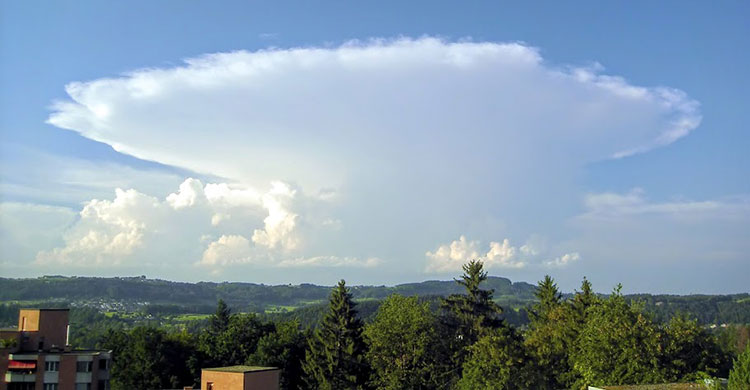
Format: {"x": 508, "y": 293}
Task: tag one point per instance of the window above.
{"x": 210, "y": 386}
{"x": 50, "y": 386}
{"x": 83, "y": 366}
{"x": 103, "y": 364}
{"x": 51, "y": 366}
{"x": 83, "y": 386}
{"x": 103, "y": 384}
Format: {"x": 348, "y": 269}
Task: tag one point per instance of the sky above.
{"x": 382, "y": 143}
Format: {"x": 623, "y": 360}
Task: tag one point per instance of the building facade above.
{"x": 240, "y": 378}
{"x": 38, "y": 356}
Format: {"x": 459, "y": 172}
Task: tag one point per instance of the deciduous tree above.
{"x": 402, "y": 342}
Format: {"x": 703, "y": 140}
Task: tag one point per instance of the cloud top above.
{"x": 313, "y": 115}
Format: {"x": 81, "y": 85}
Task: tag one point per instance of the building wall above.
{"x": 49, "y": 326}
{"x": 28, "y": 320}
{"x": 53, "y": 326}
{"x": 67, "y": 375}
{"x": 3, "y": 368}
{"x": 222, "y": 380}
{"x": 262, "y": 380}
{"x": 255, "y": 380}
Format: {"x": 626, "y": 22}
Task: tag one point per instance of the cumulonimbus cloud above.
{"x": 419, "y": 139}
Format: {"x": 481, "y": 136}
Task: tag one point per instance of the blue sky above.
{"x": 294, "y": 183}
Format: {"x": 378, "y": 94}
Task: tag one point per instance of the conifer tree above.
{"x": 583, "y": 300}
{"x": 549, "y": 298}
{"x": 220, "y": 319}
{"x": 474, "y": 311}
{"x": 466, "y": 318}
{"x": 552, "y": 333}
{"x": 336, "y": 353}
{"x": 498, "y": 361}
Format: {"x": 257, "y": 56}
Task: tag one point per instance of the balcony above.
{"x": 15, "y": 377}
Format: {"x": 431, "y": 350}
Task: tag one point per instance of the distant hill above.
{"x": 162, "y": 297}
{"x": 244, "y": 296}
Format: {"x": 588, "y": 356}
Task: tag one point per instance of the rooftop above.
{"x": 668, "y": 386}
{"x": 240, "y": 369}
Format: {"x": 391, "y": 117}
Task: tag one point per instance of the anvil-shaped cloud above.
{"x": 422, "y": 140}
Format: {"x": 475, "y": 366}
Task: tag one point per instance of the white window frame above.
{"x": 51, "y": 366}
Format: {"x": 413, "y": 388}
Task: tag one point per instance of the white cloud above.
{"x": 107, "y": 232}
{"x": 563, "y": 260}
{"x": 501, "y": 255}
{"x": 136, "y": 229}
{"x": 603, "y": 206}
{"x": 332, "y": 261}
{"x": 314, "y": 115}
{"x": 280, "y": 224}
{"x": 189, "y": 194}
{"x": 227, "y": 250}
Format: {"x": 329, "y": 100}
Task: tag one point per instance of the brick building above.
{"x": 38, "y": 356}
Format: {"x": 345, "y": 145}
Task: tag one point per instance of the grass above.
{"x": 190, "y": 317}
{"x": 279, "y": 309}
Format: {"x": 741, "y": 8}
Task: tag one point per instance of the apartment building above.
{"x": 38, "y": 356}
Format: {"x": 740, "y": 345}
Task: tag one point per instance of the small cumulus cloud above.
{"x": 563, "y": 260}
{"x": 501, "y": 255}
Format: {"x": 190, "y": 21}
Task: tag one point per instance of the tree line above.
{"x": 463, "y": 343}
{"x": 158, "y": 300}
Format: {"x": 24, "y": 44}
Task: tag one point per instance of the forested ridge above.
{"x": 240, "y": 296}
{"x": 157, "y": 298}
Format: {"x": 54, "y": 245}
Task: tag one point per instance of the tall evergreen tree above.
{"x": 474, "y": 312}
{"x": 220, "y": 319}
{"x": 551, "y": 334}
{"x": 466, "y": 318}
{"x": 549, "y": 298}
{"x": 583, "y": 300}
{"x": 336, "y": 353}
